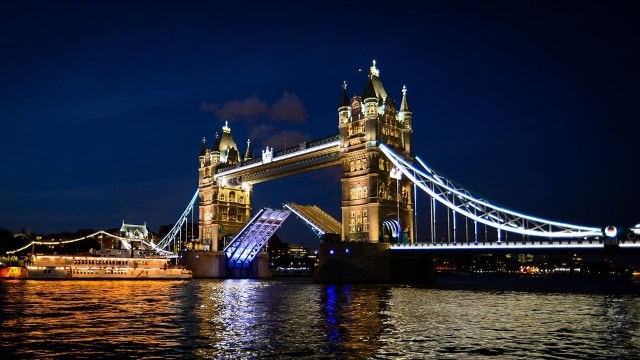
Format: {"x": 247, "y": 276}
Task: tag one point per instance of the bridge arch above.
{"x": 391, "y": 227}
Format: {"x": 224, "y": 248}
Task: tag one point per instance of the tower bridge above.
{"x": 376, "y": 237}
{"x": 381, "y": 178}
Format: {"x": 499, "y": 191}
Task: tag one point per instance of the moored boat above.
{"x": 131, "y": 256}
{"x": 13, "y": 272}
{"x": 103, "y": 266}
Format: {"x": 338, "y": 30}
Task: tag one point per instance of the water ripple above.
{"x": 293, "y": 318}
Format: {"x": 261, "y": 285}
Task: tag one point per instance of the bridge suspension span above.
{"x": 481, "y": 211}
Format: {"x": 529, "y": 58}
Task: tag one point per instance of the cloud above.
{"x": 289, "y": 108}
{"x": 269, "y": 135}
{"x": 261, "y": 132}
{"x": 285, "y": 139}
{"x": 248, "y": 109}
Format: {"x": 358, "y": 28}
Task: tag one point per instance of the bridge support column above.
{"x": 205, "y": 264}
{"x": 345, "y": 262}
{"x": 368, "y": 263}
{"x": 213, "y": 265}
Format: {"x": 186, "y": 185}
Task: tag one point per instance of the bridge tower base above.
{"x": 205, "y": 264}
{"x": 367, "y": 263}
{"x": 347, "y": 262}
{"x": 213, "y": 265}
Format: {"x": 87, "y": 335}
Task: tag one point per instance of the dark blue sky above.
{"x": 532, "y": 104}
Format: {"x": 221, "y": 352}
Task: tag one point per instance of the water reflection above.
{"x": 353, "y": 319}
{"x": 251, "y": 319}
{"x": 42, "y": 318}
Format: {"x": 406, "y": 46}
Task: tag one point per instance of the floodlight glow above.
{"x": 611, "y": 231}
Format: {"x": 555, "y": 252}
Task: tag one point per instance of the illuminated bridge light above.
{"x": 252, "y": 238}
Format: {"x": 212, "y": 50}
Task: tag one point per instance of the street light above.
{"x": 397, "y": 174}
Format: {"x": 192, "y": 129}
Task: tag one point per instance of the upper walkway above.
{"x": 270, "y": 165}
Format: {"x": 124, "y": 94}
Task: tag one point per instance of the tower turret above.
{"x": 225, "y": 204}
{"x": 405, "y": 118}
{"x": 343, "y": 110}
{"x": 215, "y": 151}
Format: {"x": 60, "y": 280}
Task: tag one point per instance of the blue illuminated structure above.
{"x": 252, "y": 238}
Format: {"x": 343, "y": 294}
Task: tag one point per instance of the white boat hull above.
{"x": 87, "y": 267}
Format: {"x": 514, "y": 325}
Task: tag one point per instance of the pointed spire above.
{"x": 216, "y": 143}
{"x": 345, "y": 95}
{"x": 404, "y": 105}
{"x": 247, "y": 154}
{"x": 369, "y": 90}
{"x": 373, "y": 70}
{"x": 374, "y": 88}
{"x": 226, "y": 129}
{"x": 203, "y": 148}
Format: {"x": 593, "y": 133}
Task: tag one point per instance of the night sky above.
{"x": 531, "y": 104}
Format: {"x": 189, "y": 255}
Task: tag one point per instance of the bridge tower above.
{"x": 377, "y": 202}
{"x": 224, "y": 206}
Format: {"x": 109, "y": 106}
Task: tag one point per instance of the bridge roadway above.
{"x": 521, "y": 245}
{"x": 306, "y": 156}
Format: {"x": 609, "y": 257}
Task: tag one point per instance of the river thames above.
{"x": 295, "y": 318}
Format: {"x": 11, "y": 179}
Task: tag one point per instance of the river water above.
{"x": 295, "y": 318}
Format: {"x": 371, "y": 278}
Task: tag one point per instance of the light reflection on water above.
{"x": 294, "y": 318}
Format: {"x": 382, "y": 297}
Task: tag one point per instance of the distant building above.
{"x": 131, "y": 231}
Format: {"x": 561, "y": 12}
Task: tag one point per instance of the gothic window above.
{"x": 241, "y": 199}
{"x": 381, "y": 164}
{"x": 352, "y": 225}
{"x": 365, "y": 221}
{"x": 352, "y": 165}
{"x": 353, "y": 214}
{"x": 359, "y": 165}
{"x": 232, "y": 196}
{"x": 364, "y": 163}
{"x": 222, "y": 197}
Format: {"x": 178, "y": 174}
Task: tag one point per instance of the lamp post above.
{"x": 397, "y": 174}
